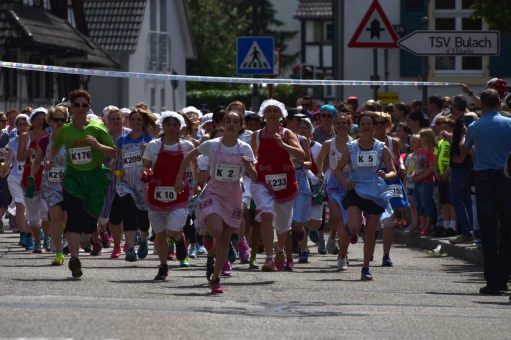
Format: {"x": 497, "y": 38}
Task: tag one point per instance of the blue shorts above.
{"x": 303, "y": 202}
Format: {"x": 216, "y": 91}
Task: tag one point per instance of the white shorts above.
{"x": 36, "y": 210}
{"x": 169, "y": 220}
{"x": 316, "y": 212}
{"x": 18, "y": 196}
{"x": 265, "y": 203}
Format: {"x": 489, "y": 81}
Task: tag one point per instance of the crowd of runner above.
{"x": 222, "y": 184}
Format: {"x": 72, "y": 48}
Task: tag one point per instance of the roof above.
{"x": 34, "y": 28}
{"x": 314, "y": 9}
{"x": 115, "y": 24}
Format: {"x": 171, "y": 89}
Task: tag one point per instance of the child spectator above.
{"x": 443, "y": 154}
{"x": 410, "y": 161}
{"x": 424, "y": 179}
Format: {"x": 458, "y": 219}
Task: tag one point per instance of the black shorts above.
{"x": 115, "y": 216}
{"x": 132, "y": 217}
{"x": 5, "y": 195}
{"x": 367, "y": 206}
{"x": 78, "y": 220}
{"x": 443, "y": 192}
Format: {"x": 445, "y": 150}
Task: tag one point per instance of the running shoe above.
{"x": 366, "y": 275}
{"x": 321, "y": 246}
{"x": 192, "y": 253}
{"x": 280, "y": 260}
{"x": 201, "y": 250}
{"x": 215, "y": 286}
{"x": 116, "y": 252}
{"x": 105, "y": 239}
{"x": 46, "y": 244}
{"x": 304, "y": 257}
{"x": 268, "y": 266}
{"x": 232, "y": 255}
{"x": 96, "y": 249}
{"x": 314, "y": 236}
{"x": 75, "y": 266}
{"x": 210, "y": 266}
{"x": 163, "y": 272}
{"x": 463, "y": 239}
{"x": 288, "y": 267}
{"x": 131, "y": 256}
{"x": 171, "y": 256}
{"x": 29, "y": 243}
{"x": 185, "y": 263}
{"x": 37, "y": 248}
{"x": 58, "y": 260}
{"x": 386, "y": 261}
{"x": 252, "y": 264}
{"x": 181, "y": 251}
{"x": 227, "y": 269}
{"x": 331, "y": 245}
{"x": 23, "y": 240}
{"x": 143, "y": 250}
{"x": 342, "y": 264}
{"x": 244, "y": 251}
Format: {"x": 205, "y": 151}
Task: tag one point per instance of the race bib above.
{"x": 188, "y": 175}
{"x": 367, "y": 158}
{"x": 277, "y": 182}
{"x": 396, "y": 191}
{"x": 20, "y": 167}
{"x": 165, "y": 194}
{"x": 132, "y": 159}
{"x": 227, "y": 173}
{"x": 82, "y": 155}
{"x": 54, "y": 174}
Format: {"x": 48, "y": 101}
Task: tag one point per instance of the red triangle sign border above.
{"x": 375, "y": 6}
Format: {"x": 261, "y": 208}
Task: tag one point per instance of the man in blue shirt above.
{"x": 491, "y": 137}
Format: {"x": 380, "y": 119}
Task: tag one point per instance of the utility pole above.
{"x": 254, "y": 102}
{"x": 425, "y": 70}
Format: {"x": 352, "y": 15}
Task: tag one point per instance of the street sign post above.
{"x": 438, "y": 43}
{"x": 254, "y": 55}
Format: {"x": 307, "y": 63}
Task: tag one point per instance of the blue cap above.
{"x": 329, "y": 108}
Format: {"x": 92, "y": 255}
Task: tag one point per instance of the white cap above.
{"x": 35, "y": 112}
{"x": 193, "y": 109}
{"x": 272, "y": 102}
{"x": 171, "y": 114}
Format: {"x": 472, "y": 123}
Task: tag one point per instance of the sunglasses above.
{"x": 56, "y": 120}
{"x": 381, "y": 123}
{"x": 325, "y": 115}
{"x": 81, "y": 105}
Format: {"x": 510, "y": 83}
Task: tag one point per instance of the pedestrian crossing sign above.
{"x": 254, "y": 55}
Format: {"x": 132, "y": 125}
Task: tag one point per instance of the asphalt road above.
{"x": 421, "y": 297}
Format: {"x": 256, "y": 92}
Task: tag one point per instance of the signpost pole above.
{"x": 375, "y": 73}
{"x": 425, "y": 22}
{"x": 386, "y": 67}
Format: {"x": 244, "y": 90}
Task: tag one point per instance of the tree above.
{"x": 496, "y": 13}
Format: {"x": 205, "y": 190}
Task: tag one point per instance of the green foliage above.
{"x": 214, "y": 98}
{"x": 496, "y": 13}
{"x": 215, "y": 26}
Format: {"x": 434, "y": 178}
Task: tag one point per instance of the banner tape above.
{"x": 232, "y": 80}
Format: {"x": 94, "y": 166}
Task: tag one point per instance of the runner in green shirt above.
{"x": 87, "y": 142}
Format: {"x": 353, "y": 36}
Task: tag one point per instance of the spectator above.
{"x": 491, "y": 136}
{"x": 353, "y": 102}
{"x": 325, "y": 130}
{"x": 434, "y": 109}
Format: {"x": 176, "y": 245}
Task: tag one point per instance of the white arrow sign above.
{"x": 473, "y": 43}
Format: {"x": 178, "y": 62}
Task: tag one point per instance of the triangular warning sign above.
{"x": 375, "y": 30}
{"x": 255, "y": 59}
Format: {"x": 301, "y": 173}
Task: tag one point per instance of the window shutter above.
{"x": 500, "y": 66}
{"x": 153, "y": 50}
{"x": 163, "y": 52}
{"x": 412, "y": 12}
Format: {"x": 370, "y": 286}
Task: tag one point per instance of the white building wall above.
{"x": 285, "y": 11}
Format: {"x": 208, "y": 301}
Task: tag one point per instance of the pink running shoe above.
{"x": 244, "y": 251}
{"x": 171, "y": 256}
{"x": 280, "y": 260}
{"x": 216, "y": 287}
{"x": 289, "y": 265}
{"x": 227, "y": 269}
{"x": 116, "y": 252}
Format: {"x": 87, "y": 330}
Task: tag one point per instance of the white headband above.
{"x": 171, "y": 114}
{"x": 272, "y": 102}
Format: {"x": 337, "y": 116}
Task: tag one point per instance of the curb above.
{"x": 466, "y": 252}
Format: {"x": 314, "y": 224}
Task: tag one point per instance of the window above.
{"x": 159, "y": 39}
{"x": 153, "y": 99}
{"x": 456, "y": 15}
{"x": 328, "y": 32}
{"x": 162, "y": 99}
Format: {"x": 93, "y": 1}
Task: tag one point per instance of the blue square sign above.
{"x": 254, "y": 55}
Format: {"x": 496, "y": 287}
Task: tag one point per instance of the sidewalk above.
{"x": 466, "y": 252}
